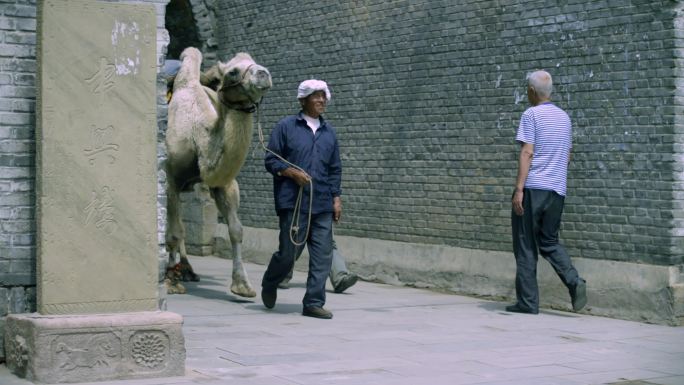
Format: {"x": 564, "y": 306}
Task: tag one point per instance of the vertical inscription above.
{"x": 102, "y": 144}
{"x": 100, "y": 211}
{"x": 101, "y": 208}
{"x": 102, "y": 81}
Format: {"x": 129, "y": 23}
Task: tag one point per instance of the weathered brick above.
{"x": 4, "y": 302}
{"x": 18, "y": 50}
{"x": 28, "y": 24}
{"x": 17, "y": 300}
{"x": 5, "y": 106}
{"x": 16, "y": 118}
{"x": 6, "y": 23}
{"x": 24, "y": 105}
{"x": 16, "y": 146}
{"x": 20, "y": 38}
{"x": 25, "y": 79}
{"x": 20, "y": 10}
{"x": 17, "y": 92}
{"x": 18, "y": 65}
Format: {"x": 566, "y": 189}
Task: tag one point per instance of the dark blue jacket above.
{"x": 318, "y": 155}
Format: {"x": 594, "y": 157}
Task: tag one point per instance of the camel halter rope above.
{"x": 296, "y": 211}
{"x": 232, "y": 106}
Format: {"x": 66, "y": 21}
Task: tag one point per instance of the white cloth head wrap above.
{"x": 308, "y": 87}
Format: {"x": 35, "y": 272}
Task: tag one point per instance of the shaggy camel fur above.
{"x": 207, "y": 140}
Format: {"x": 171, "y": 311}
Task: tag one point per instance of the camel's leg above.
{"x": 175, "y": 239}
{"x": 187, "y": 273}
{"x": 227, "y": 201}
{"x": 175, "y": 231}
{"x": 175, "y": 236}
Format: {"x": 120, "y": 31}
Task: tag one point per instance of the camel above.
{"x": 207, "y": 140}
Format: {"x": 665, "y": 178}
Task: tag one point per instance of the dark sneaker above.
{"x": 579, "y": 295}
{"x": 317, "y": 312}
{"x": 519, "y": 309}
{"x": 346, "y": 282}
{"x": 268, "y": 297}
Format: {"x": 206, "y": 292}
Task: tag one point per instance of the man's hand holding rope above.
{"x": 300, "y": 177}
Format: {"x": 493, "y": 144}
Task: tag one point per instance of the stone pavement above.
{"x": 387, "y": 335}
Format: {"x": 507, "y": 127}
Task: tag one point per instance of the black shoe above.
{"x": 268, "y": 297}
{"x": 317, "y": 312}
{"x": 347, "y": 281}
{"x": 579, "y": 295}
{"x": 519, "y": 309}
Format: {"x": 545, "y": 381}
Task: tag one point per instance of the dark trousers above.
{"x": 319, "y": 244}
{"x": 537, "y": 231}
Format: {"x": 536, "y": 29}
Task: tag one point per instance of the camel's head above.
{"x": 242, "y": 82}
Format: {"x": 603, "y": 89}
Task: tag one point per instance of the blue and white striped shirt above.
{"x": 549, "y": 129}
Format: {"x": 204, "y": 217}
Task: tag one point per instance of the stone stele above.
{"x": 97, "y": 257}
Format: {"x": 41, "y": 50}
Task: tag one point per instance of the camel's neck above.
{"x": 237, "y": 131}
{"x": 228, "y": 145}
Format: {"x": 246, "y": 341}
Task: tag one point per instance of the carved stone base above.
{"x": 97, "y": 347}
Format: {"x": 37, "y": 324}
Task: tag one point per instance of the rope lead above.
{"x": 294, "y": 226}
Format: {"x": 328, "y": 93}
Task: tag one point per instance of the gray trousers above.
{"x": 536, "y": 231}
{"x": 337, "y": 271}
{"x": 339, "y": 268}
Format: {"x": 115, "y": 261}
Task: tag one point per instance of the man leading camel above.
{"x": 309, "y": 142}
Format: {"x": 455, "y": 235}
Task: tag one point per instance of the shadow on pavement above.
{"x": 501, "y": 309}
{"x": 280, "y": 308}
{"x": 199, "y": 289}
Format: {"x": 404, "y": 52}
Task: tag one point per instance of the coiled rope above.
{"x": 296, "y": 211}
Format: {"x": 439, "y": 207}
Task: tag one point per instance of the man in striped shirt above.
{"x": 545, "y": 137}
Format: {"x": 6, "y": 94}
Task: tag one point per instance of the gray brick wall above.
{"x": 426, "y": 101}
{"x": 17, "y": 148}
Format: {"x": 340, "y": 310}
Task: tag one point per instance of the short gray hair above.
{"x": 541, "y": 82}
